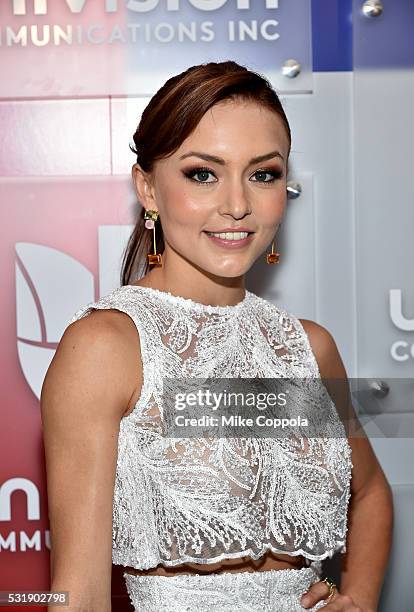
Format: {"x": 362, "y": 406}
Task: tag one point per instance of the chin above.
{"x": 231, "y": 272}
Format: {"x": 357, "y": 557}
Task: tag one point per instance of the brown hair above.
{"x": 171, "y": 116}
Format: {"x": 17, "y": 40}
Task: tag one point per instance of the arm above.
{"x": 87, "y": 389}
{"x": 370, "y": 516}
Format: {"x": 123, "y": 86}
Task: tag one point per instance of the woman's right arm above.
{"x": 91, "y": 382}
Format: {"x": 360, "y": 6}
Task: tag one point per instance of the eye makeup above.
{"x": 192, "y": 172}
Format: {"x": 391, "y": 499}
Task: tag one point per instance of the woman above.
{"x": 218, "y": 525}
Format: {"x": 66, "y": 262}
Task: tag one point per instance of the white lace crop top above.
{"x": 178, "y": 501}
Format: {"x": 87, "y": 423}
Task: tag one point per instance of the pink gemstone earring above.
{"x": 272, "y": 258}
{"x": 150, "y": 217}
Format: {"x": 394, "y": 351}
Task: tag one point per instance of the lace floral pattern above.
{"x": 197, "y": 500}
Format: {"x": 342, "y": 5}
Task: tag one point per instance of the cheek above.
{"x": 182, "y": 207}
{"x": 271, "y": 207}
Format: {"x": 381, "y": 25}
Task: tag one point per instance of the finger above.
{"x": 319, "y": 590}
{"x": 340, "y": 603}
{"x": 332, "y": 606}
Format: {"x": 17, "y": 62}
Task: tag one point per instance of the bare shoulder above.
{"x": 325, "y": 349}
{"x": 106, "y": 326}
{"x": 99, "y": 352}
{"x": 367, "y": 472}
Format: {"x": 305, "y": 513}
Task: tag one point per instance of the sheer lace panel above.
{"x": 202, "y": 500}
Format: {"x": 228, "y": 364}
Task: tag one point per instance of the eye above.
{"x": 202, "y": 171}
{"x": 275, "y": 174}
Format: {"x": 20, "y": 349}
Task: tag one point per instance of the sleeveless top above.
{"x": 189, "y": 501}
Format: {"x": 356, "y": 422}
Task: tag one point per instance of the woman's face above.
{"x": 195, "y": 194}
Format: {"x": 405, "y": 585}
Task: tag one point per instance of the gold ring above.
{"x": 332, "y": 587}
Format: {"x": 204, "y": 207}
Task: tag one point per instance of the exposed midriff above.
{"x": 266, "y": 562}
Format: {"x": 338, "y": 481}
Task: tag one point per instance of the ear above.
{"x": 143, "y": 187}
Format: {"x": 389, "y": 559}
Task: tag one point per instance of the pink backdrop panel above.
{"x": 62, "y": 215}
{"x": 55, "y": 137}
{"x": 78, "y": 68}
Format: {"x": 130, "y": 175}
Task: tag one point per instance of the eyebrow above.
{"x": 219, "y": 160}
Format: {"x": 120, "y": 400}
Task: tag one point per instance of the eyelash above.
{"x": 189, "y": 174}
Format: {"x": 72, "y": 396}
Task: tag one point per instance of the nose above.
{"x": 235, "y": 200}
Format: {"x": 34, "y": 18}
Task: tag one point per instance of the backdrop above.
{"x": 76, "y": 75}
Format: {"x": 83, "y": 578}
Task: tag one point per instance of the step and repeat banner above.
{"x": 109, "y": 47}
{"x": 76, "y": 75}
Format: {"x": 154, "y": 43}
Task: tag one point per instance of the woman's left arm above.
{"x": 370, "y": 515}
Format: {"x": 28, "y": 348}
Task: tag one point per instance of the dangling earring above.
{"x": 151, "y": 216}
{"x": 272, "y": 258}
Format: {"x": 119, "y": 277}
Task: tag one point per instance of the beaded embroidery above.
{"x": 189, "y": 500}
{"x": 264, "y": 591}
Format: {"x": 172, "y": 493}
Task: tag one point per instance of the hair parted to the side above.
{"x": 170, "y": 117}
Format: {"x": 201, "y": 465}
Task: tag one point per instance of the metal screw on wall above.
{"x": 372, "y": 8}
{"x": 293, "y": 190}
{"x": 291, "y": 68}
{"x": 379, "y": 388}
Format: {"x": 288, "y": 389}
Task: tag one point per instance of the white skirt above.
{"x": 266, "y": 591}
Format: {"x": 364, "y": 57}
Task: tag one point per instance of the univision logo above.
{"x": 396, "y": 312}
{"x": 19, "y": 540}
{"x": 400, "y": 350}
{"x": 51, "y": 286}
{"x": 40, "y": 7}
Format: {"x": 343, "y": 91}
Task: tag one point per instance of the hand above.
{"x": 337, "y": 603}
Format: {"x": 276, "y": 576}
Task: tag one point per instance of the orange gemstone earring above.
{"x": 272, "y": 258}
{"x": 150, "y": 217}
